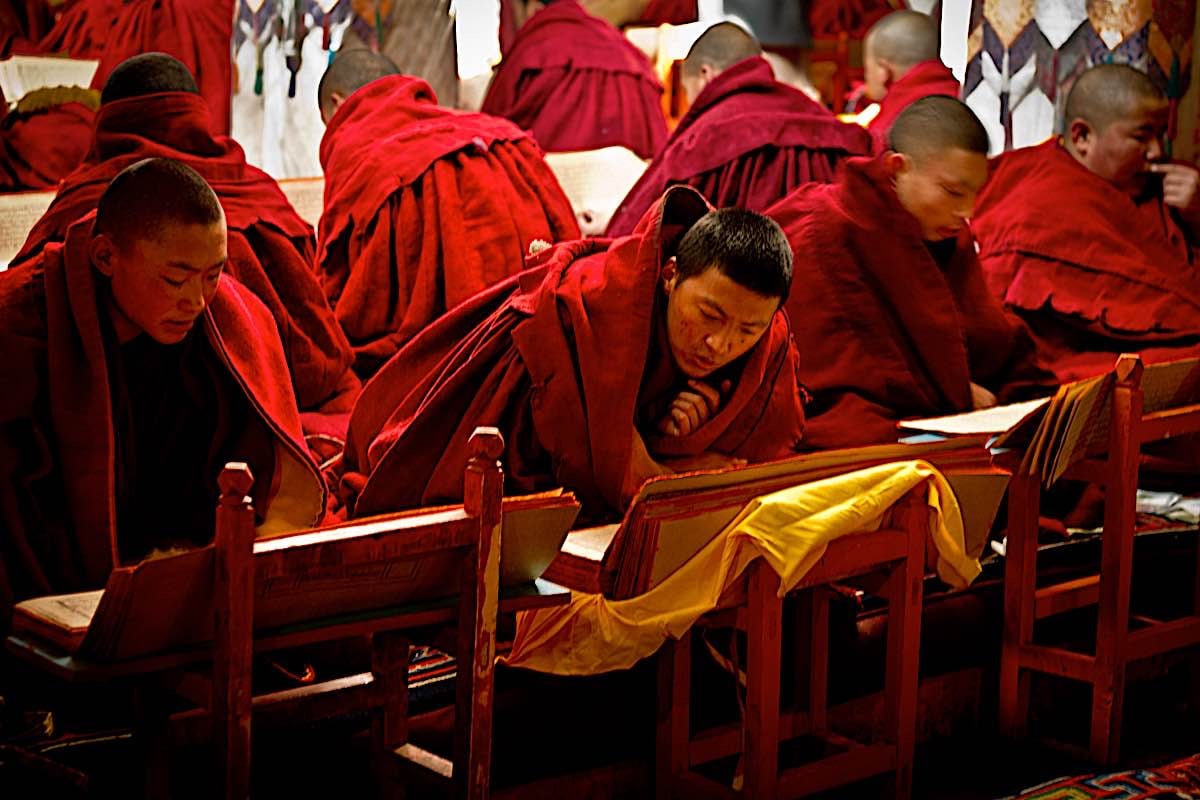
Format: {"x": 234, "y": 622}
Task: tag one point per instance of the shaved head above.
{"x": 936, "y": 124}
{"x": 147, "y": 198}
{"x": 1108, "y": 92}
{"x": 350, "y": 71}
{"x": 904, "y": 39}
{"x": 719, "y": 47}
{"x": 148, "y": 73}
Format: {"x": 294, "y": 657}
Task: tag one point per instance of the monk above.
{"x": 134, "y": 370}
{"x": 150, "y": 107}
{"x": 901, "y": 65}
{"x": 747, "y": 139}
{"x": 888, "y": 302}
{"x": 45, "y": 137}
{"x": 574, "y": 80}
{"x": 1091, "y": 237}
{"x": 604, "y": 364}
{"x": 424, "y": 206}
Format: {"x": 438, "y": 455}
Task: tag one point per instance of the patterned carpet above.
{"x": 1180, "y": 779}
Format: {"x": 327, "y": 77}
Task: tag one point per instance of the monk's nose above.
{"x": 193, "y": 299}
{"x": 1154, "y": 150}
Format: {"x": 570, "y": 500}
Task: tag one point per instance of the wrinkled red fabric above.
{"x": 271, "y": 250}
{"x": 555, "y": 358}
{"x": 40, "y": 148}
{"x": 884, "y": 333}
{"x": 81, "y": 29}
{"x": 1092, "y": 271}
{"x": 747, "y": 141}
{"x": 197, "y": 32}
{"x": 576, "y": 83}
{"x": 22, "y": 24}
{"x": 852, "y": 18}
{"x": 926, "y": 79}
{"x": 669, "y": 12}
{"x": 424, "y": 207}
{"x": 56, "y": 428}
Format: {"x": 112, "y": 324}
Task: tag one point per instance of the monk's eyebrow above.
{"x": 183, "y": 265}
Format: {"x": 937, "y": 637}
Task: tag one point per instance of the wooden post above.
{"x": 1020, "y": 578}
{"x": 1116, "y": 561}
{"x": 674, "y": 712}
{"x": 483, "y": 492}
{"x": 901, "y": 681}
{"x": 390, "y": 652}
{"x": 764, "y": 630}
{"x": 233, "y": 629}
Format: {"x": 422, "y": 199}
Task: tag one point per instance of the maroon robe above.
{"x": 38, "y": 148}
{"x": 58, "y": 448}
{"x": 557, "y": 358}
{"x": 927, "y": 79}
{"x": 747, "y": 141}
{"x": 887, "y": 327}
{"x": 577, "y": 83}
{"x": 1093, "y": 271}
{"x": 81, "y": 29}
{"x": 271, "y": 250}
{"x": 424, "y": 207}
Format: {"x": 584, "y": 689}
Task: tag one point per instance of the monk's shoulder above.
{"x": 23, "y": 340}
{"x": 23, "y": 300}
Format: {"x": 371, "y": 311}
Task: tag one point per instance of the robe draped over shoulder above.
{"x": 927, "y": 79}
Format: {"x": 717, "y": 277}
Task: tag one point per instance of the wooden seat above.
{"x": 896, "y": 555}
{"x": 377, "y": 578}
{"x": 1130, "y": 427}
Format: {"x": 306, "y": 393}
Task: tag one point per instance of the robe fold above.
{"x": 23, "y": 23}
{"x": 424, "y": 207}
{"x": 927, "y": 79}
{"x": 81, "y": 29}
{"x": 1093, "y": 271}
{"x": 58, "y": 471}
{"x": 747, "y": 141}
{"x": 38, "y": 148}
{"x": 576, "y": 83}
{"x": 271, "y": 250}
{"x": 556, "y": 357}
{"x": 887, "y": 332}
{"x": 669, "y": 12}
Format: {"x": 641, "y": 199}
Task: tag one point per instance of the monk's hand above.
{"x": 981, "y": 397}
{"x": 1181, "y": 187}
{"x": 692, "y": 407}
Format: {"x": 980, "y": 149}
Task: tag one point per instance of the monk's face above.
{"x": 161, "y": 283}
{"x": 1122, "y": 150}
{"x": 712, "y": 319}
{"x": 877, "y": 74}
{"x": 938, "y": 189}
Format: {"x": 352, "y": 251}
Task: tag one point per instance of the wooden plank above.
{"x": 1020, "y": 573}
{"x": 673, "y": 713}
{"x": 1168, "y": 423}
{"x": 1163, "y": 638}
{"x": 763, "y": 649}
{"x": 1057, "y": 661}
{"x": 1066, "y": 596}
{"x": 837, "y": 770}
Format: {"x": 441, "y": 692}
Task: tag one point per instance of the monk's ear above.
{"x": 1079, "y": 132}
{"x": 669, "y": 274}
{"x": 104, "y": 254}
{"x": 896, "y": 163}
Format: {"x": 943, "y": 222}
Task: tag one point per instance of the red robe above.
{"x": 81, "y": 29}
{"x": 271, "y": 250}
{"x": 424, "y": 207}
{"x": 57, "y": 443}
{"x": 22, "y": 24}
{"x": 747, "y": 141}
{"x": 1093, "y": 272}
{"x": 577, "y": 83}
{"x": 884, "y": 332}
{"x": 40, "y": 148}
{"x": 669, "y": 12}
{"x": 927, "y": 79}
{"x": 558, "y": 358}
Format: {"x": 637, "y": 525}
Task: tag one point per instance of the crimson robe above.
{"x": 22, "y": 24}
{"x": 746, "y": 141}
{"x": 669, "y": 12}
{"x": 885, "y": 331}
{"x": 271, "y": 250}
{"x": 81, "y": 29}
{"x": 577, "y": 83}
{"x": 557, "y": 358}
{"x": 40, "y": 148}
{"x": 424, "y": 207}
{"x": 927, "y": 79}
{"x": 57, "y": 443}
{"x": 1092, "y": 271}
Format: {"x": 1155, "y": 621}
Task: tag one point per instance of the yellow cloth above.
{"x": 790, "y": 529}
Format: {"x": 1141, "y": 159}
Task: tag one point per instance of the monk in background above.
{"x": 45, "y": 136}
{"x": 747, "y": 139}
{"x": 888, "y": 302}
{"x": 150, "y": 107}
{"x": 901, "y": 64}
{"x": 424, "y": 206}
{"x": 604, "y": 364}
{"x": 1091, "y": 237}
{"x": 575, "y": 82}
{"x": 134, "y": 370}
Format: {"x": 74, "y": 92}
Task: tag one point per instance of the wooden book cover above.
{"x": 60, "y": 619}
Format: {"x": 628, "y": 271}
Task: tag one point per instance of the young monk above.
{"x": 424, "y": 206}
{"x": 150, "y": 107}
{"x": 134, "y": 370}
{"x": 1091, "y": 237}
{"x": 901, "y": 65}
{"x": 747, "y": 139}
{"x": 575, "y": 82}
{"x": 888, "y": 301}
{"x": 604, "y": 364}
